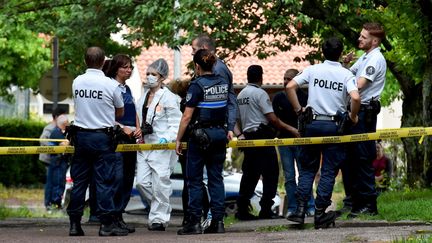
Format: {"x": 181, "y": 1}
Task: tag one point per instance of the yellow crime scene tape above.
{"x": 33, "y": 139}
{"x": 380, "y": 134}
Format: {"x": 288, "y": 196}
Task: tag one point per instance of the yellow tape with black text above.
{"x": 380, "y": 134}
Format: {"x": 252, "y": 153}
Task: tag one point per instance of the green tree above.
{"x": 24, "y": 58}
{"x": 266, "y": 25}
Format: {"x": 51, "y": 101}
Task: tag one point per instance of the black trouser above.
{"x": 357, "y": 170}
{"x": 122, "y": 197}
{"x": 94, "y": 160}
{"x": 258, "y": 161}
{"x": 185, "y": 192}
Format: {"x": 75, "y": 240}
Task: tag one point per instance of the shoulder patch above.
{"x": 188, "y": 97}
{"x": 370, "y": 70}
{"x": 269, "y": 102}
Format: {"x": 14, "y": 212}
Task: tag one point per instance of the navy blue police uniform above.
{"x": 96, "y": 97}
{"x": 329, "y": 86}
{"x": 209, "y": 95}
{"x": 357, "y": 171}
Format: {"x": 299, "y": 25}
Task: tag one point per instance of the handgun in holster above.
{"x": 304, "y": 119}
{"x": 70, "y": 133}
{"x": 120, "y": 137}
{"x": 371, "y": 111}
{"x": 201, "y": 138}
{"x": 344, "y": 122}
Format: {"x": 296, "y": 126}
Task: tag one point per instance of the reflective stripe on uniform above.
{"x": 212, "y": 104}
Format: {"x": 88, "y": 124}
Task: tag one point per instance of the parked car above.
{"x": 232, "y": 186}
{"x": 231, "y": 181}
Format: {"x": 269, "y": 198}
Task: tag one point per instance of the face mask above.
{"x": 152, "y": 81}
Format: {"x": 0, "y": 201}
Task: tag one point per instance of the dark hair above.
{"x": 206, "y": 40}
{"x": 94, "y": 57}
{"x": 205, "y": 59}
{"x": 375, "y": 29}
{"x": 332, "y": 48}
{"x": 57, "y": 112}
{"x": 118, "y": 61}
{"x": 106, "y": 66}
{"x": 254, "y": 73}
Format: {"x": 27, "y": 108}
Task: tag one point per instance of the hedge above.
{"x": 21, "y": 170}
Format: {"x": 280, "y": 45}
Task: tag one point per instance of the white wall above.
{"x": 390, "y": 117}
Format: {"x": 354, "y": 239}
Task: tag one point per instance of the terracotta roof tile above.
{"x": 274, "y": 66}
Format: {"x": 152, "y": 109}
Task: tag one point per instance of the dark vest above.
{"x": 212, "y": 110}
{"x": 129, "y": 117}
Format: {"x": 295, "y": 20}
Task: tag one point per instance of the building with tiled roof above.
{"x": 274, "y": 66}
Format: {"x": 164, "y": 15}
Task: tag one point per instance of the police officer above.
{"x": 256, "y": 113}
{"x": 358, "y": 173}
{"x": 204, "y": 41}
{"x": 120, "y": 69}
{"x": 329, "y": 86}
{"x": 206, "y": 112}
{"x": 98, "y": 101}
{"x": 220, "y": 68}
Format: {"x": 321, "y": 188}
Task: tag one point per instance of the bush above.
{"x": 17, "y": 170}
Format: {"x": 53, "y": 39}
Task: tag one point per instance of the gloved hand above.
{"x": 163, "y": 140}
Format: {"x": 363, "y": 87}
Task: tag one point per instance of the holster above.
{"x": 371, "y": 111}
{"x": 119, "y": 137}
{"x": 344, "y": 123}
{"x": 70, "y": 134}
{"x": 208, "y": 136}
{"x": 304, "y": 119}
{"x": 201, "y": 138}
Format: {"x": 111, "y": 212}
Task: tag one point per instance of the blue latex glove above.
{"x": 163, "y": 140}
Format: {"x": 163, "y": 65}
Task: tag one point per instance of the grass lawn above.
{"x": 392, "y": 206}
{"x": 413, "y": 205}
{"x": 27, "y": 202}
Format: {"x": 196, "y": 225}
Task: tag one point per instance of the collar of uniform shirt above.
{"x": 255, "y": 85}
{"x": 122, "y": 87}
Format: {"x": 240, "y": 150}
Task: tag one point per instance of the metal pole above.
{"x": 55, "y": 74}
{"x": 27, "y": 104}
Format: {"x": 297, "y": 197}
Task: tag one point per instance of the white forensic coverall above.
{"x": 154, "y": 167}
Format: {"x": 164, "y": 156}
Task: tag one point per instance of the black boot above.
{"x": 267, "y": 214}
{"x": 191, "y": 228}
{"x": 122, "y": 224}
{"x": 216, "y": 227}
{"x": 243, "y": 212}
{"x": 323, "y": 219}
{"x": 75, "y": 227}
{"x": 299, "y": 215}
{"x": 112, "y": 229}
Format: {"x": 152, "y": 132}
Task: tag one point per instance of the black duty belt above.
{"x": 210, "y": 124}
{"x": 105, "y": 130}
{"x": 323, "y": 118}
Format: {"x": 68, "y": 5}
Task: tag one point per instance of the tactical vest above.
{"x": 213, "y": 109}
{"x": 129, "y": 117}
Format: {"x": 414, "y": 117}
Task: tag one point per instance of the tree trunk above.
{"x": 412, "y": 117}
{"x": 427, "y": 121}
